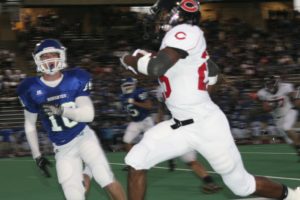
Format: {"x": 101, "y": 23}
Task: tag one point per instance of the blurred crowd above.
{"x": 244, "y": 54}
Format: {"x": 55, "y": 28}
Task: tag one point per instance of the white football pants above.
{"x": 85, "y": 147}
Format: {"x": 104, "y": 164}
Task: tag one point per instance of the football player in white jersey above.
{"x": 190, "y": 158}
{"x": 277, "y": 98}
{"x": 197, "y": 124}
{"x": 62, "y": 101}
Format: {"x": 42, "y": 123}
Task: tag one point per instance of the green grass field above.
{"x": 21, "y": 180}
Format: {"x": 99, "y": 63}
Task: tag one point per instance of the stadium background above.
{"x": 247, "y": 39}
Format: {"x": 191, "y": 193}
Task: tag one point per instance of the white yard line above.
{"x": 254, "y": 199}
{"x": 179, "y": 169}
{"x": 266, "y": 153}
{"x": 158, "y": 167}
{"x": 211, "y": 172}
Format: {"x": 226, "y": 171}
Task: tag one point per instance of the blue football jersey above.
{"x": 136, "y": 113}
{"x": 33, "y": 93}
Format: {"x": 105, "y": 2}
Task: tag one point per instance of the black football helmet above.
{"x": 169, "y": 13}
{"x": 272, "y": 83}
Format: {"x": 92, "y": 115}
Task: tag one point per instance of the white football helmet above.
{"x": 52, "y": 65}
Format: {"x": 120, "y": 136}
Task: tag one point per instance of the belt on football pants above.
{"x": 179, "y": 123}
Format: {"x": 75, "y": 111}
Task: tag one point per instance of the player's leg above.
{"x": 209, "y": 186}
{"x": 147, "y": 124}
{"x": 285, "y": 126}
{"x": 172, "y": 165}
{"x": 115, "y": 191}
{"x": 87, "y": 177}
{"x": 160, "y": 143}
{"x": 94, "y": 157}
{"x": 224, "y": 157}
{"x": 132, "y": 131}
{"x": 69, "y": 173}
{"x": 136, "y": 184}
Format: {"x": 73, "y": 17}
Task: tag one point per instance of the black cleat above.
{"x": 172, "y": 165}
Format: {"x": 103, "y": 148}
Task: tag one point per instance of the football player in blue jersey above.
{"x": 62, "y": 101}
{"x": 137, "y": 104}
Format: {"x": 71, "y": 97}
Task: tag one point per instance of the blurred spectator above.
{"x": 7, "y": 143}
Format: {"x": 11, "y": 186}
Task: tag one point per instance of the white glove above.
{"x": 130, "y": 100}
{"x": 127, "y": 67}
{"x": 53, "y": 110}
{"x": 140, "y": 51}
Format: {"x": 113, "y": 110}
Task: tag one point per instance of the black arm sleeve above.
{"x": 159, "y": 65}
{"x": 213, "y": 68}
{"x": 162, "y": 62}
{"x": 182, "y": 53}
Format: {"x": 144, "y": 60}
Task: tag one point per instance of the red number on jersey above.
{"x": 167, "y": 89}
{"x": 202, "y": 83}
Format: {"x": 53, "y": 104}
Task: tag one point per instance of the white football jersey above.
{"x": 281, "y": 99}
{"x": 185, "y": 83}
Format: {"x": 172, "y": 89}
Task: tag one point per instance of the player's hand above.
{"x": 43, "y": 164}
{"x": 129, "y": 61}
{"x": 130, "y": 100}
{"x": 124, "y": 63}
{"x": 53, "y": 110}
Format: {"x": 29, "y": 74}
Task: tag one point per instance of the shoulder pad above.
{"x": 79, "y": 73}
{"x": 183, "y": 36}
{"x": 25, "y": 85}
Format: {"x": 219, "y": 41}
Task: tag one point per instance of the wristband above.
{"x": 142, "y": 64}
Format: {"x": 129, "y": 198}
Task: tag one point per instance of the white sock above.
{"x": 291, "y": 195}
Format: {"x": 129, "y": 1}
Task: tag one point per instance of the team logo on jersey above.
{"x": 189, "y": 6}
{"x": 180, "y": 35}
{"x": 39, "y": 92}
{"x": 61, "y": 96}
{"x": 88, "y": 86}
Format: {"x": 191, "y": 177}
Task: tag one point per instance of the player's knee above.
{"x": 73, "y": 192}
{"x": 234, "y": 183}
{"x": 136, "y": 158}
{"x": 243, "y": 190}
{"x": 129, "y": 159}
{"x": 104, "y": 181}
{"x": 225, "y": 166}
{"x": 64, "y": 171}
{"x": 103, "y": 175}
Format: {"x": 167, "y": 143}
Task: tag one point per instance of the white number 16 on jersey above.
{"x": 67, "y": 122}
